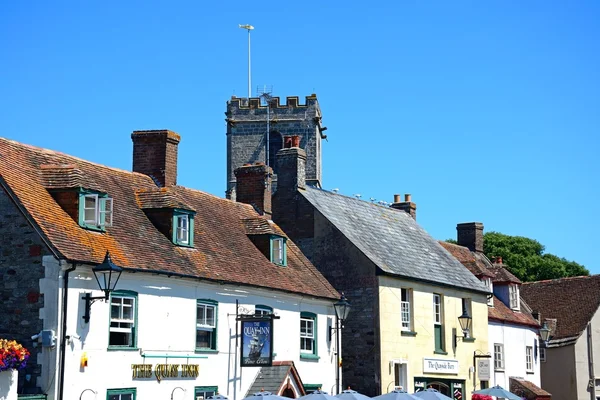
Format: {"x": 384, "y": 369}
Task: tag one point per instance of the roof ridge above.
{"x": 351, "y": 198}
{"x": 565, "y": 278}
{"x": 60, "y": 153}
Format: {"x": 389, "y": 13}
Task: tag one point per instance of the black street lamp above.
{"x": 545, "y": 334}
{"x": 465, "y": 322}
{"x": 107, "y": 275}
{"x": 342, "y": 309}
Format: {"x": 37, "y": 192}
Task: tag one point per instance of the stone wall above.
{"x": 21, "y": 252}
{"x": 247, "y": 125}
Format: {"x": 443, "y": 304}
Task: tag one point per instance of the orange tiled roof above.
{"x": 223, "y": 252}
{"x": 476, "y": 263}
{"x": 500, "y": 312}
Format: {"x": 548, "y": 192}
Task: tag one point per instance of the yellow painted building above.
{"x": 409, "y": 357}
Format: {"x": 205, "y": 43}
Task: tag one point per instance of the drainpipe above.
{"x": 63, "y": 332}
{"x": 592, "y": 383}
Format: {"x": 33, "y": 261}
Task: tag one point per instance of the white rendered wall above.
{"x": 167, "y": 323}
{"x": 582, "y": 361}
{"x": 515, "y": 338}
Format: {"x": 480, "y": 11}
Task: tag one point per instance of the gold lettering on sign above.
{"x": 165, "y": 371}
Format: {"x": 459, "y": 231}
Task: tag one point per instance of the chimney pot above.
{"x": 498, "y": 260}
{"x": 407, "y": 206}
{"x": 155, "y": 155}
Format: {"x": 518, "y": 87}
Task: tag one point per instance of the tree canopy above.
{"x": 525, "y": 258}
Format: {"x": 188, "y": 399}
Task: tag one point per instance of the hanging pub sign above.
{"x": 257, "y": 342}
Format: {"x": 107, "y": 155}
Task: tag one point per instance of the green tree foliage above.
{"x": 526, "y": 259}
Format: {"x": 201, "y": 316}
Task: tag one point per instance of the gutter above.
{"x": 63, "y": 332}
{"x": 590, "y": 343}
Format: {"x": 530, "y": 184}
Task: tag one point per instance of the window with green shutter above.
{"x": 95, "y": 210}
{"x": 183, "y": 228}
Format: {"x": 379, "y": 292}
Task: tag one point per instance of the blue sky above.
{"x": 482, "y": 110}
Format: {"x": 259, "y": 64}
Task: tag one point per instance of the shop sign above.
{"x": 483, "y": 369}
{"x": 439, "y": 366}
{"x": 257, "y": 339}
{"x": 161, "y": 371}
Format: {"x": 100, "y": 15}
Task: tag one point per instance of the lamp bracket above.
{"x": 89, "y": 300}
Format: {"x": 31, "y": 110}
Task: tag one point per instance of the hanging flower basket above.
{"x": 12, "y": 355}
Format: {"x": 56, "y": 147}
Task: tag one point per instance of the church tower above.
{"x": 289, "y": 125}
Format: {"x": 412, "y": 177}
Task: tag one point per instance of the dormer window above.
{"x": 513, "y": 294}
{"x": 95, "y": 210}
{"x": 488, "y": 283}
{"x": 183, "y": 228}
{"x": 278, "y": 251}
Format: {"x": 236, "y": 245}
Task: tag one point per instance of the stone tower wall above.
{"x": 247, "y": 125}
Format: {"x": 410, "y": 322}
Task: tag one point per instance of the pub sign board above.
{"x": 257, "y": 342}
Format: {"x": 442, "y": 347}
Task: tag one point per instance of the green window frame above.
{"x": 95, "y": 210}
{"x": 123, "y": 320}
{"x": 311, "y": 387}
{"x": 121, "y": 394}
{"x": 205, "y": 391}
{"x": 309, "y": 348}
{"x": 438, "y": 323}
{"x": 278, "y": 250}
{"x": 183, "y": 228}
{"x": 207, "y": 321}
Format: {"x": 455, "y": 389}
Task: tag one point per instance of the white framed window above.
{"x": 498, "y": 356}
{"x": 308, "y": 343}
{"x": 206, "y": 325}
{"x": 513, "y": 293}
{"x": 96, "y": 211}
{"x": 437, "y": 309}
{"x": 183, "y": 229}
{"x": 122, "y": 320}
{"x": 262, "y": 310}
{"x": 278, "y": 251}
{"x": 405, "y": 309}
{"x": 529, "y": 358}
{"x": 488, "y": 283}
{"x": 542, "y": 354}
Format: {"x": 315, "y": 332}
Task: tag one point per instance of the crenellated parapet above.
{"x": 237, "y": 103}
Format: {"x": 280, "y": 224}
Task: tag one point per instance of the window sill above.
{"x": 115, "y": 348}
{"x": 190, "y": 246}
{"x": 211, "y": 351}
{"x": 499, "y": 370}
{"x": 443, "y": 353}
{"x": 469, "y": 340}
{"x": 529, "y": 372}
{"x": 93, "y": 227}
{"x": 408, "y": 333}
{"x": 309, "y": 356}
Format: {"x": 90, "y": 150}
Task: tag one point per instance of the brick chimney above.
{"x": 470, "y": 235}
{"x": 407, "y": 205}
{"x": 291, "y": 169}
{"x": 254, "y": 186}
{"x": 155, "y": 155}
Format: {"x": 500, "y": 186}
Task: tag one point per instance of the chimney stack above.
{"x": 407, "y": 205}
{"x": 470, "y": 235}
{"x": 253, "y": 186}
{"x": 291, "y": 169}
{"x": 155, "y": 155}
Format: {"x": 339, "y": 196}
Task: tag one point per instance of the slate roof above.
{"x": 475, "y": 262}
{"x": 272, "y": 378}
{"x": 393, "y": 240}
{"x": 223, "y": 252}
{"x": 571, "y": 301}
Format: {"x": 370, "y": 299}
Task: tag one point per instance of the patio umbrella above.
{"x": 396, "y": 395}
{"x": 498, "y": 391}
{"x": 431, "y": 394}
{"x": 350, "y": 394}
{"x": 265, "y": 396}
{"x": 317, "y": 395}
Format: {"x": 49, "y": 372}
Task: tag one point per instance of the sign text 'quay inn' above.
{"x": 437, "y": 366}
{"x": 161, "y": 371}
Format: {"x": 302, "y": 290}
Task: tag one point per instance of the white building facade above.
{"x": 177, "y": 338}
